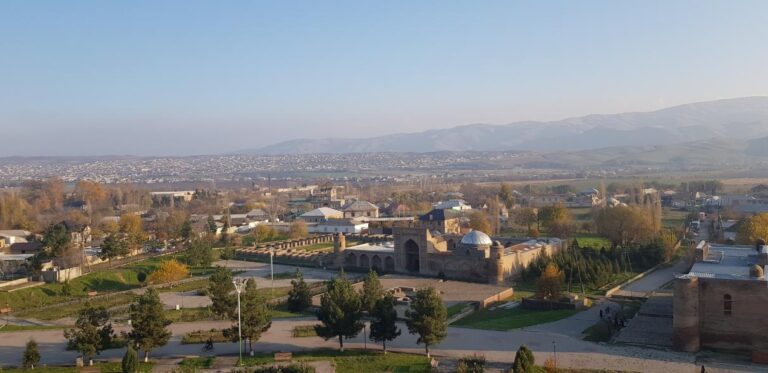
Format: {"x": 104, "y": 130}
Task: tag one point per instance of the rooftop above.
{"x": 726, "y": 262}
{"x": 388, "y": 247}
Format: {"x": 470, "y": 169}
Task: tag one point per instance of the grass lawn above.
{"x": 355, "y": 361}
{"x": 53, "y": 313}
{"x": 323, "y": 246}
{"x": 190, "y": 314}
{"x": 304, "y": 331}
{"x": 507, "y": 319}
{"x": 593, "y": 241}
{"x": 197, "y": 284}
{"x": 104, "y": 367}
{"x": 457, "y": 308}
{"x": 20, "y": 328}
{"x": 201, "y": 336}
{"x": 101, "y": 281}
{"x": 282, "y": 275}
{"x": 194, "y": 363}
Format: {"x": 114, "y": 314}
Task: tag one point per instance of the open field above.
{"x": 506, "y": 319}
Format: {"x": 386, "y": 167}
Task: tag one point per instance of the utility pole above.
{"x": 239, "y": 285}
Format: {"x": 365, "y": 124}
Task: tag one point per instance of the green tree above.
{"x": 92, "y": 332}
{"x": 130, "y": 362}
{"x": 185, "y": 231}
{"x": 340, "y": 311}
{"x": 553, "y": 214}
{"x": 56, "y": 238}
{"x": 427, "y": 318}
{"x": 220, "y": 290}
{"x": 114, "y": 245}
{"x": 31, "y": 356}
{"x": 524, "y": 360}
{"x": 149, "y": 322}
{"x": 505, "y": 195}
{"x": 211, "y": 223}
{"x": 372, "y": 291}
{"x": 255, "y": 316}
{"x": 200, "y": 252}
{"x": 299, "y": 297}
{"x": 384, "y": 325}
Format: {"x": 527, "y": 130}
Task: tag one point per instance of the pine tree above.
{"x": 340, "y": 311}
{"x": 200, "y": 252}
{"x": 427, "y": 318}
{"x": 220, "y": 290}
{"x": 31, "y": 355}
{"x": 255, "y": 317}
{"x": 130, "y": 362}
{"x": 92, "y": 333}
{"x": 372, "y": 291}
{"x": 524, "y": 360}
{"x": 149, "y": 322}
{"x": 211, "y": 223}
{"x": 299, "y": 297}
{"x": 384, "y": 327}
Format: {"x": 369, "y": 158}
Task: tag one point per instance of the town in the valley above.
{"x": 580, "y": 274}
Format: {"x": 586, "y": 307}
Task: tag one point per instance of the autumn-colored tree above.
{"x": 525, "y": 216}
{"x": 505, "y": 195}
{"x": 479, "y": 222}
{"x": 169, "y": 270}
{"x": 130, "y": 226}
{"x": 753, "y": 228}
{"x": 549, "y": 284}
{"x": 298, "y": 230}
{"x": 625, "y": 225}
{"x": 15, "y": 212}
{"x": 264, "y": 233}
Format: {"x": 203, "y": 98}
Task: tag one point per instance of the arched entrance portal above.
{"x": 411, "y": 256}
{"x": 389, "y": 264}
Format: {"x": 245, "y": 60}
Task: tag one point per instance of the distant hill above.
{"x": 732, "y": 119}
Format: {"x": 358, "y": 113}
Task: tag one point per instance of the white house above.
{"x": 452, "y": 204}
{"x": 348, "y": 226}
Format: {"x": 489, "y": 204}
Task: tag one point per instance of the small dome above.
{"x": 476, "y": 238}
{"x": 756, "y": 271}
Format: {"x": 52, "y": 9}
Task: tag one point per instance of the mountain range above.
{"x": 738, "y": 119}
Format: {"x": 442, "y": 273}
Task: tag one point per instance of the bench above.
{"x": 283, "y": 356}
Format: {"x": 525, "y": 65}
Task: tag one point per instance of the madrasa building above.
{"x": 434, "y": 246}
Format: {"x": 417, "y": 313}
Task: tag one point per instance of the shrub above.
{"x": 130, "y": 361}
{"x": 472, "y": 364}
{"x": 169, "y": 270}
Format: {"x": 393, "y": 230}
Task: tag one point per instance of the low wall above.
{"x": 496, "y": 298}
{"x": 16, "y": 282}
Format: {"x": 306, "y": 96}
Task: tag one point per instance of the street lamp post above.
{"x": 271, "y": 272}
{"x": 239, "y": 285}
{"x": 554, "y": 350}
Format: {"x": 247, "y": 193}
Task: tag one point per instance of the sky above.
{"x": 200, "y": 77}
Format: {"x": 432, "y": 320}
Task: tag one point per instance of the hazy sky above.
{"x": 193, "y": 77}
